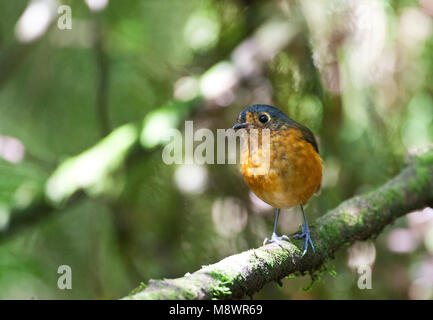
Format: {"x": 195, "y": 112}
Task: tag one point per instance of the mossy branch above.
{"x": 360, "y": 218}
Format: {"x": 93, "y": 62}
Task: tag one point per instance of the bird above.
{"x": 294, "y": 173}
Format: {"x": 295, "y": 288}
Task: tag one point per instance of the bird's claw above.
{"x": 276, "y": 239}
{"x": 305, "y": 234}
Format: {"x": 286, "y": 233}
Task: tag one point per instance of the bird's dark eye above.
{"x": 263, "y": 118}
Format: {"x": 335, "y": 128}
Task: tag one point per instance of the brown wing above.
{"x": 309, "y": 137}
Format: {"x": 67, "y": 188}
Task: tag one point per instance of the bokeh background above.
{"x": 83, "y": 112}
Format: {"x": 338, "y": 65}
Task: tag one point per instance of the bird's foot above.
{"x": 276, "y": 239}
{"x": 305, "y": 234}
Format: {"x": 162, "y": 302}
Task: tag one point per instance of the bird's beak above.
{"x": 241, "y": 126}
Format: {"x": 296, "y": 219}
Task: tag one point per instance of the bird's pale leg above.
{"x": 274, "y": 237}
{"x": 305, "y": 234}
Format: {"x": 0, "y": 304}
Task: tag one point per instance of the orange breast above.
{"x": 295, "y": 170}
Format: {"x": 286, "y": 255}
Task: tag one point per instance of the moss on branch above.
{"x": 360, "y": 218}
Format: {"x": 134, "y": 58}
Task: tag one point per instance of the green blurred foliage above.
{"x": 366, "y": 95}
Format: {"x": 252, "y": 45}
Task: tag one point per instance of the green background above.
{"x": 358, "y": 73}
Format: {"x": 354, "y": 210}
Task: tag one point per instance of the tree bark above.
{"x": 360, "y": 218}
